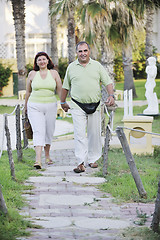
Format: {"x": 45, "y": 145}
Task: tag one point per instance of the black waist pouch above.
{"x": 89, "y": 108}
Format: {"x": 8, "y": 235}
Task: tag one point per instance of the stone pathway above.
{"x": 69, "y": 206}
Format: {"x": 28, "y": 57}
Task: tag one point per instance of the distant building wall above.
{"x": 37, "y": 30}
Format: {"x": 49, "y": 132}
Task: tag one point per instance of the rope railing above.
{"x": 136, "y": 130}
{"x": 110, "y": 125}
{"x": 3, "y": 130}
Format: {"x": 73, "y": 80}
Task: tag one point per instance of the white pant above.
{"x": 87, "y": 149}
{"x": 42, "y": 117}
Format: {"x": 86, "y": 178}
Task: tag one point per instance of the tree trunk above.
{"x": 53, "y": 26}
{"x": 3, "y": 207}
{"x": 107, "y": 61}
{"x": 9, "y": 149}
{"x": 149, "y": 30}
{"x": 131, "y": 162}
{"x": 128, "y": 71}
{"x": 18, "y": 134}
{"x": 71, "y": 36}
{"x": 156, "y": 215}
{"x": 18, "y": 7}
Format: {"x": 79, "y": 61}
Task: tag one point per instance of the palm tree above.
{"x": 18, "y": 7}
{"x": 67, "y": 8}
{"x": 96, "y": 18}
{"x": 113, "y": 22}
{"x": 124, "y": 21}
{"x": 53, "y": 26}
{"x": 147, "y": 8}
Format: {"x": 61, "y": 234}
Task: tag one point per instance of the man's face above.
{"x": 83, "y": 53}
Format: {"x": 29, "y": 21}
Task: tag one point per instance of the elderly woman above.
{"x": 41, "y": 104}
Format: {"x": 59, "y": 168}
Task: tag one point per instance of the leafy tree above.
{"x": 66, "y": 9}
{"x": 111, "y": 23}
{"x": 146, "y": 9}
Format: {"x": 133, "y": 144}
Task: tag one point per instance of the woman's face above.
{"x": 42, "y": 62}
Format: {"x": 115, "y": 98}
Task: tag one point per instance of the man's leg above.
{"x": 94, "y": 138}
{"x": 80, "y": 140}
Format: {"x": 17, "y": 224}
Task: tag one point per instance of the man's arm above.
{"x": 110, "y": 100}
{"x": 64, "y": 105}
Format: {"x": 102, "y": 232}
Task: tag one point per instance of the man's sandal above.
{"x": 80, "y": 168}
{"x": 93, "y": 165}
{"x": 37, "y": 165}
{"x": 49, "y": 161}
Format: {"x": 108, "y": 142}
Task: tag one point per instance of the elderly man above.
{"x": 83, "y": 78}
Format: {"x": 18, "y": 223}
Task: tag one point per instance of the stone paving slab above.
{"x": 69, "y": 206}
{"x": 76, "y": 179}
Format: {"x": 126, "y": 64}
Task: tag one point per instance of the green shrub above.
{"x": 118, "y": 69}
{"x": 62, "y": 66}
{"x": 29, "y": 67}
{"x": 5, "y": 73}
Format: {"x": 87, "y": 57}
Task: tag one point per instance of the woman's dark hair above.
{"x": 50, "y": 64}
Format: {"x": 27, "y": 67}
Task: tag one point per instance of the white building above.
{"x": 37, "y": 30}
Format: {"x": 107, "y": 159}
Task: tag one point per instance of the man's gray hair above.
{"x": 81, "y": 43}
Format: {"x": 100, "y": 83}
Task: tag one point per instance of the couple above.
{"x": 83, "y": 78}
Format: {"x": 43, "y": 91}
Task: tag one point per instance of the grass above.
{"x": 6, "y": 109}
{"x": 13, "y": 97}
{"x": 13, "y": 224}
{"x": 140, "y": 233}
{"x": 140, "y": 88}
{"x": 119, "y": 181}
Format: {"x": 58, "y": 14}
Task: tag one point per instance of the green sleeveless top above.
{"x": 43, "y": 90}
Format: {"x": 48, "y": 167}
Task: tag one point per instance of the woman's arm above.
{"x": 28, "y": 87}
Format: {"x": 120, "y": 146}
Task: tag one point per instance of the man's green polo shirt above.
{"x": 84, "y": 82}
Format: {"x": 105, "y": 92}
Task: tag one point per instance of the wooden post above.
{"x": 156, "y": 215}
{"x": 103, "y": 120}
{"x": 105, "y": 151}
{"x": 131, "y": 162}
{"x": 9, "y": 149}
{"x": 3, "y": 207}
{"x": 25, "y": 139}
{"x": 18, "y": 134}
{"x": 106, "y": 143}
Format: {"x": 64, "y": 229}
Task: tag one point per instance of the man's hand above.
{"x": 65, "y": 107}
{"x": 110, "y": 101}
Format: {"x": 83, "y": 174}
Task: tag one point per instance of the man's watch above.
{"x": 112, "y": 95}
